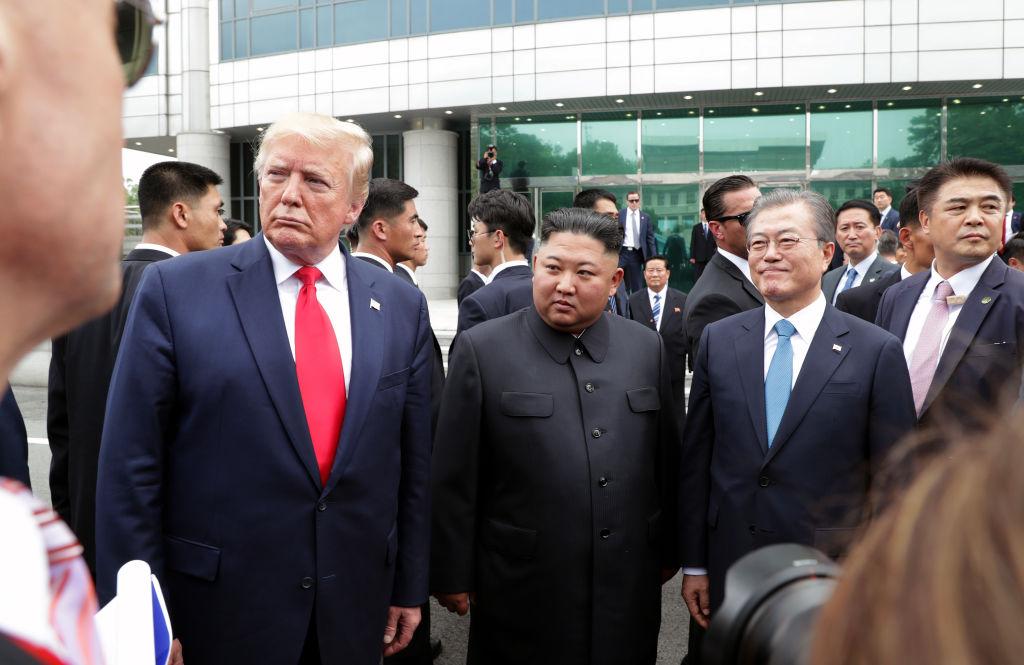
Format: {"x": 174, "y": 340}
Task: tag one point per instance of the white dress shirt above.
{"x": 739, "y": 262}
{"x": 806, "y": 322}
{"x": 373, "y": 257}
{"x": 904, "y": 273}
{"x": 861, "y": 268}
{"x": 159, "y": 248}
{"x": 486, "y": 279}
{"x": 650, "y": 297}
{"x": 409, "y": 271}
{"x": 885, "y": 212}
{"x": 962, "y": 283}
{"x": 331, "y": 292}
{"x": 632, "y": 225}
{"x": 506, "y": 264}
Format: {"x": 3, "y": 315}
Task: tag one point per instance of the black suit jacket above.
{"x": 672, "y": 331}
{"x": 469, "y": 285}
{"x": 851, "y": 402}
{"x": 721, "y": 291}
{"x": 982, "y": 361}
{"x": 550, "y": 481}
{"x": 863, "y": 301}
{"x": 702, "y": 246}
{"x": 619, "y": 304}
{"x": 13, "y": 441}
{"x": 81, "y": 364}
{"x": 508, "y": 291}
{"x": 891, "y": 221}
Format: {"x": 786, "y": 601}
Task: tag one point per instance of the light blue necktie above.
{"x": 657, "y": 308}
{"x": 851, "y": 277}
{"x": 779, "y": 382}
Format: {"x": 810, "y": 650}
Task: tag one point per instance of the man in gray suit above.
{"x": 857, "y": 232}
{"x": 553, "y": 467}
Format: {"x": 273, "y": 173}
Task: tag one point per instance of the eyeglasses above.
{"x": 633, "y": 200}
{"x": 655, "y": 271}
{"x": 741, "y": 218}
{"x": 783, "y": 244}
{"x": 473, "y": 234}
{"x": 135, "y": 24}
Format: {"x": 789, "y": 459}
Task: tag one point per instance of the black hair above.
{"x": 386, "y": 199}
{"x": 166, "y": 183}
{"x": 866, "y": 206}
{"x": 423, "y": 225}
{"x": 233, "y": 225}
{"x": 888, "y": 192}
{"x": 714, "y": 197}
{"x": 589, "y": 197}
{"x": 507, "y": 211}
{"x": 352, "y": 236}
{"x": 909, "y": 210}
{"x": 656, "y": 257}
{"x": 961, "y": 167}
{"x": 584, "y": 222}
{"x": 1014, "y": 248}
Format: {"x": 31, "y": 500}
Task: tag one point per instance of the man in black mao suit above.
{"x": 962, "y": 321}
{"x": 561, "y": 531}
{"x": 638, "y": 244}
{"x": 503, "y": 224}
{"x": 180, "y": 208}
{"x": 660, "y": 307}
{"x": 793, "y": 407}
{"x": 702, "y": 245}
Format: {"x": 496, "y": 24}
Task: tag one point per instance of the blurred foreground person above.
{"x": 937, "y": 580}
{"x": 554, "y": 477}
{"x": 294, "y": 529}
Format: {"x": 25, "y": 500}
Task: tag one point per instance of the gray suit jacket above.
{"x": 878, "y": 268}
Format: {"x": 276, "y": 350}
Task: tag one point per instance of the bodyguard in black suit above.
{"x": 793, "y": 407}
{"x": 638, "y": 244}
{"x": 553, "y": 496}
{"x": 469, "y": 285}
{"x": 889, "y": 217}
{"x": 857, "y": 232}
{"x": 666, "y": 316}
{"x": 180, "y": 208}
{"x": 702, "y": 245}
{"x": 962, "y": 322}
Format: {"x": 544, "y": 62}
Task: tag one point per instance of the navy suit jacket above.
{"x": 851, "y": 402}
{"x": 891, "y": 221}
{"x": 648, "y": 244}
{"x": 469, "y": 285}
{"x": 226, "y": 504}
{"x": 981, "y": 363}
{"x": 509, "y": 291}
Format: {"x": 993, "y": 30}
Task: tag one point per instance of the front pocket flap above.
{"x": 841, "y": 388}
{"x": 512, "y": 541}
{"x": 537, "y": 405}
{"x": 192, "y": 558}
{"x": 643, "y": 399}
{"x": 393, "y": 379}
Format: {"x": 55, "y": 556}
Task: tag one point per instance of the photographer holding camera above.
{"x": 490, "y": 170}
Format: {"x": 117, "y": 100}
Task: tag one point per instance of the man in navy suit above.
{"x": 638, "y": 243}
{"x": 793, "y": 407}
{"x": 294, "y": 529}
{"x": 502, "y": 225}
{"x": 857, "y": 231}
{"x": 890, "y": 217}
{"x": 962, "y": 321}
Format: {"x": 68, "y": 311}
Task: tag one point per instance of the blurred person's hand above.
{"x": 696, "y": 597}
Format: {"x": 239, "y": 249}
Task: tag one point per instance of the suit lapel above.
{"x": 736, "y": 273}
{"x": 876, "y": 270}
{"x": 819, "y": 365}
{"x": 644, "y": 304}
{"x": 903, "y": 306}
{"x": 254, "y": 291}
{"x": 979, "y": 303}
{"x": 750, "y": 360}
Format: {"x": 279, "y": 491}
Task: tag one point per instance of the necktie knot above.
{"x": 657, "y": 297}
{"x": 308, "y": 275}
{"x": 942, "y": 291}
{"x": 784, "y": 328}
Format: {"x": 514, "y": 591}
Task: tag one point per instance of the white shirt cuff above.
{"x": 695, "y": 571}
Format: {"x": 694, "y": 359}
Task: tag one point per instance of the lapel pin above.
{"x": 871, "y": 280}
{"x": 677, "y": 310}
{"x": 837, "y": 348}
{"x": 374, "y": 304}
{"x": 959, "y": 300}
{"x": 986, "y": 300}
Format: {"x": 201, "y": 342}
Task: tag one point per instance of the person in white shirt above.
{"x": 857, "y": 232}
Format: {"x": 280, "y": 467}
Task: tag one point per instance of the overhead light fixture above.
{"x": 449, "y": 112}
{"x": 138, "y": 143}
{"x": 797, "y": 108}
{"x": 956, "y": 101}
{"x": 907, "y": 87}
{"x": 350, "y": 120}
{"x": 259, "y": 129}
{"x": 517, "y": 119}
{"x": 759, "y": 94}
{"x": 398, "y": 115}
{"x": 687, "y": 97}
{"x": 502, "y": 108}
{"x": 619, "y": 100}
{"x": 1006, "y": 99}
{"x": 754, "y": 110}
{"x": 711, "y": 110}
{"x": 889, "y": 103}
{"x": 629, "y": 115}
{"x": 821, "y": 107}
{"x": 847, "y": 106}
{"x": 831, "y": 91}
{"x": 170, "y": 150}
{"x": 559, "y": 104}
{"x": 976, "y": 86}
{"x": 529, "y": 120}
{"x": 570, "y": 117}
{"x": 692, "y": 113}
{"x": 982, "y": 113}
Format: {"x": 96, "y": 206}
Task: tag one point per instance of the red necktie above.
{"x": 319, "y": 370}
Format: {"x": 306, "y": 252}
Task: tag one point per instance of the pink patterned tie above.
{"x": 926, "y": 355}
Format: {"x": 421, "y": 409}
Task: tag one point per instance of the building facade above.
{"x": 658, "y": 96}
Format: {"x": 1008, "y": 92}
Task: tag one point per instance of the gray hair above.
{"x": 822, "y": 215}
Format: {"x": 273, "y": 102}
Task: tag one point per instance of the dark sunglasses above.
{"x": 633, "y": 200}
{"x": 741, "y": 218}
{"x": 135, "y": 24}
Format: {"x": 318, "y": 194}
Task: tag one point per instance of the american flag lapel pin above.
{"x": 374, "y": 304}
{"x": 837, "y": 348}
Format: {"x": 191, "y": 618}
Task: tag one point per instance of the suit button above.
{"x": 764, "y": 481}
{"x": 589, "y": 387}
{"x": 602, "y": 481}
{"x": 596, "y": 433}
{"x": 578, "y": 351}
{"x": 307, "y": 582}
{"x": 605, "y": 533}
{"x": 321, "y": 506}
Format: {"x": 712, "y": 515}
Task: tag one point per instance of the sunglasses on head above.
{"x": 134, "y": 34}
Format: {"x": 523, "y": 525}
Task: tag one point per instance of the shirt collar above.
{"x": 593, "y": 340}
{"x": 739, "y": 262}
{"x": 962, "y": 283}
{"x": 651, "y": 293}
{"x": 886, "y": 211}
{"x": 409, "y": 271}
{"x": 862, "y": 267}
{"x": 904, "y": 273}
{"x": 806, "y": 321}
{"x": 483, "y": 277}
{"x": 374, "y": 257}
{"x": 332, "y": 266}
{"x": 508, "y": 264}
{"x": 159, "y": 248}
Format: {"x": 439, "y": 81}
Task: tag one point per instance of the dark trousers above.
{"x": 632, "y": 263}
{"x": 694, "y": 644}
{"x": 418, "y": 651}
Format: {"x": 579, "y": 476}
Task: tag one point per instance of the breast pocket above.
{"x": 642, "y": 400}
{"x": 393, "y": 379}
{"x": 527, "y": 405}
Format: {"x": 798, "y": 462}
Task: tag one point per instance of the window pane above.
{"x": 674, "y": 209}
{"x": 739, "y": 139}
{"x": 541, "y": 146}
{"x": 394, "y": 148}
{"x": 841, "y": 135}
{"x": 618, "y": 6}
{"x": 324, "y": 26}
{"x": 360, "y": 21}
{"x": 524, "y": 11}
{"x": 676, "y": 4}
{"x": 307, "y": 32}
{"x": 609, "y": 144}
{"x": 641, "y": 5}
{"x": 236, "y": 172}
{"x": 248, "y": 177}
{"x": 502, "y": 12}
{"x": 154, "y": 59}
{"x": 909, "y": 132}
{"x": 399, "y": 18}
{"x": 227, "y": 9}
{"x": 839, "y": 192}
{"x": 898, "y": 189}
{"x": 670, "y": 141}
{"x": 459, "y": 14}
{"x": 418, "y": 17}
{"x": 274, "y": 33}
{"x": 241, "y": 8}
{"x": 378, "y": 156}
{"x": 553, "y": 201}
{"x": 264, "y": 5}
{"x": 242, "y": 39}
{"x": 552, "y": 9}
{"x": 989, "y": 128}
